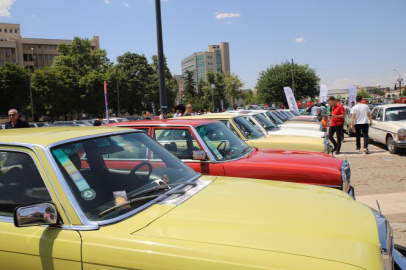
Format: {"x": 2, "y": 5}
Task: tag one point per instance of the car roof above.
{"x": 390, "y": 105}
{"x": 214, "y": 116}
{"x": 163, "y": 122}
{"x": 50, "y": 135}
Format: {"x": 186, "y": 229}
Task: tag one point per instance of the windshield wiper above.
{"x": 149, "y": 190}
{"x": 184, "y": 183}
{"x": 169, "y": 193}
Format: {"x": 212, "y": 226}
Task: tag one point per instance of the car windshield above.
{"x": 83, "y": 123}
{"x": 274, "y": 118}
{"x": 249, "y": 131}
{"x": 395, "y": 114}
{"x": 280, "y": 115}
{"x": 222, "y": 142}
{"x": 98, "y": 169}
{"x": 265, "y": 122}
{"x": 294, "y": 113}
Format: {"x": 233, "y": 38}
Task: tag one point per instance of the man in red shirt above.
{"x": 337, "y": 114}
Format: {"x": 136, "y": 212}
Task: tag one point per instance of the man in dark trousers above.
{"x": 15, "y": 122}
{"x": 98, "y": 122}
{"x": 337, "y": 114}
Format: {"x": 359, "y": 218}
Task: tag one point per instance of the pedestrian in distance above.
{"x": 177, "y": 114}
{"x": 98, "y": 121}
{"x": 361, "y": 119}
{"x": 324, "y": 123}
{"x": 337, "y": 114}
{"x": 147, "y": 115}
{"x": 189, "y": 110}
{"x": 15, "y": 121}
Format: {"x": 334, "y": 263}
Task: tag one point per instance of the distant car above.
{"x": 114, "y": 120}
{"x": 38, "y": 125}
{"x": 71, "y": 123}
{"x": 134, "y": 118}
{"x": 389, "y": 126}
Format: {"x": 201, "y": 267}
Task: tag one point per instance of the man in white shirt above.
{"x": 361, "y": 119}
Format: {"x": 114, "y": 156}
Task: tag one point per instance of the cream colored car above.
{"x": 389, "y": 126}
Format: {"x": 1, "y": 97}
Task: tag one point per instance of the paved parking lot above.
{"x": 380, "y": 176}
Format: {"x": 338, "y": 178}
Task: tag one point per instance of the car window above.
{"x": 379, "y": 115}
{"x": 180, "y": 142}
{"x": 20, "y": 182}
{"x": 249, "y": 131}
{"x": 229, "y": 126}
{"x": 395, "y": 114}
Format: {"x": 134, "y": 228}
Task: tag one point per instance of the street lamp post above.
{"x": 400, "y": 84}
{"x": 118, "y": 100}
{"x": 212, "y": 96}
{"x": 161, "y": 67}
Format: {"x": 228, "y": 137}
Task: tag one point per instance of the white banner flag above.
{"x": 352, "y": 95}
{"x": 291, "y": 99}
{"x": 323, "y": 93}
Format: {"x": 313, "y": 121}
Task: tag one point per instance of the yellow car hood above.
{"x": 281, "y": 217}
{"x": 289, "y": 143}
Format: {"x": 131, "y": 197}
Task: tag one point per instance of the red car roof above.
{"x": 180, "y": 122}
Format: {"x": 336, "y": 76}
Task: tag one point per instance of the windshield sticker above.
{"x": 212, "y": 147}
{"x": 70, "y": 168}
{"x": 120, "y": 197}
{"x": 88, "y": 194}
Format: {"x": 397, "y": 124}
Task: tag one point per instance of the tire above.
{"x": 391, "y": 146}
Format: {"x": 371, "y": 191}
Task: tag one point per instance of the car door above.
{"x": 22, "y": 181}
{"x": 181, "y": 142}
{"x": 373, "y": 131}
{"x": 378, "y": 132}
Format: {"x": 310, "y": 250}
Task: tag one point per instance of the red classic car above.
{"x": 210, "y": 148}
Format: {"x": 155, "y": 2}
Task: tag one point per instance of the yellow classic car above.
{"x": 256, "y": 138}
{"x": 111, "y": 198}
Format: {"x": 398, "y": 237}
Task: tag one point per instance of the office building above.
{"x": 32, "y": 53}
{"x": 216, "y": 58}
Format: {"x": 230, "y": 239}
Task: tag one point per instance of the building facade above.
{"x": 216, "y": 58}
{"x": 32, "y": 53}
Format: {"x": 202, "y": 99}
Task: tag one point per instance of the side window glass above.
{"x": 20, "y": 182}
{"x": 379, "y": 115}
{"x": 374, "y": 113}
{"x": 180, "y": 142}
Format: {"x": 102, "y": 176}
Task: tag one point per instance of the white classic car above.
{"x": 266, "y": 125}
{"x": 389, "y": 126}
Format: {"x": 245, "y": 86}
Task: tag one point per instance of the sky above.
{"x": 348, "y": 42}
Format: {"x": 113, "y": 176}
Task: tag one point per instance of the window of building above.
{"x": 34, "y": 56}
{"x": 1, "y": 50}
{"x": 45, "y": 57}
{"x": 12, "y": 50}
{"x": 15, "y": 31}
{"x": 33, "y": 46}
{"x": 39, "y": 57}
{"x": 50, "y": 57}
{"x": 7, "y": 51}
{"x": 2, "y": 62}
{"x": 0, "y": 29}
{"x": 5, "y": 30}
{"x": 200, "y": 57}
{"x": 45, "y": 46}
{"x": 39, "y": 46}
{"x": 55, "y": 47}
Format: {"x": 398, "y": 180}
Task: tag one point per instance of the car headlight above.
{"x": 385, "y": 240}
{"x": 401, "y": 134}
{"x": 345, "y": 176}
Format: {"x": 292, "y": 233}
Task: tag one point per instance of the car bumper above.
{"x": 400, "y": 144}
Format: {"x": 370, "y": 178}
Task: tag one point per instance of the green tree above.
{"x": 54, "y": 89}
{"x": 379, "y": 92}
{"x": 93, "y": 84}
{"x": 189, "y": 90}
{"x": 249, "y": 97}
{"x": 219, "y": 92}
{"x": 364, "y": 94}
{"x": 404, "y": 91}
{"x": 14, "y": 89}
{"x": 134, "y": 73}
{"x": 233, "y": 87}
{"x": 271, "y": 82}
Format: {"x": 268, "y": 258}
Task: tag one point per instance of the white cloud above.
{"x": 126, "y": 4}
{"x": 229, "y": 23}
{"x": 5, "y": 5}
{"x": 227, "y": 15}
{"x": 107, "y": 1}
{"x": 300, "y": 40}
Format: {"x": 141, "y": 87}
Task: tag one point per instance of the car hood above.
{"x": 398, "y": 124}
{"x": 301, "y": 125}
{"x": 288, "y": 165}
{"x": 289, "y": 143}
{"x": 297, "y": 132}
{"x": 279, "y": 217}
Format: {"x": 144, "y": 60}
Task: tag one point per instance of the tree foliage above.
{"x": 364, "y": 94}
{"x": 189, "y": 90}
{"x": 233, "y": 86}
{"x": 271, "y": 82}
{"x": 14, "y": 88}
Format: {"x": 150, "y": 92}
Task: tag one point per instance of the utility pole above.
{"x": 293, "y": 79}
{"x": 118, "y": 100}
{"x": 161, "y": 67}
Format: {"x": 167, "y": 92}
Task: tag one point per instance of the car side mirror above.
{"x": 35, "y": 215}
{"x": 199, "y": 155}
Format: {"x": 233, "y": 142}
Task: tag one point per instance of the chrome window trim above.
{"x": 345, "y": 182}
{"x": 208, "y": 151}
{"x": 385, "y": 237}
{"x": 94, "y": 225}
{"x": 31, "y": 147}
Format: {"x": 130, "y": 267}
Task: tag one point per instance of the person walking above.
{"x": 336, "y": 124}
{"x": 15, "y": 121}
{"x": 361, "y": 119}
{"x": 189, "y": 110}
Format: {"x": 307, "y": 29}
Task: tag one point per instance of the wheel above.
{"x": 391, "y": 145}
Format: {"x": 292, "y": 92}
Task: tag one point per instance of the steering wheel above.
{"x": 144, "y": 163}
{"x": 224, "y": 147}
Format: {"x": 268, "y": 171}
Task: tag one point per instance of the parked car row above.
{"x": 214, "y": 191}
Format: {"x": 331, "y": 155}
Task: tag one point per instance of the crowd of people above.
{"x": 332, "y": 121}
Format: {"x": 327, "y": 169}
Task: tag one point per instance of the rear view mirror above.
{"x": 199, "y": 155}
{"x": 35, "y": 215}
